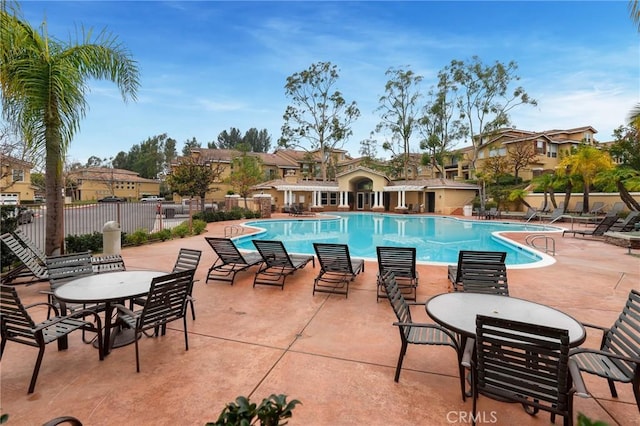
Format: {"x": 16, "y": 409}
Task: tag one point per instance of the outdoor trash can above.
{"x": 169, "y": 213}
{"x": 111, "y": 234}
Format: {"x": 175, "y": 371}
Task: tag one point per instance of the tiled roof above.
{"x": 103, "y": 173}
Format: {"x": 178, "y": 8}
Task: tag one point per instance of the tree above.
{"x": 546, "y": 183}
{"x": 484, "y": 100}
{"x": 246, "y": 172}
{"x": 94, "y": 161}
{"x": 519, "y": 195}
{"x": 190, "y": 144}
{"x": 190, "y": 178}
{"x": 634, "y": 12}
{"x": 519, "y": 156}
{"x": 437, "y": 126}
{"x": 319, "y": 114}
{"x": 622, "y": 179}
{"x": 257, "y": 141}
{"x": 400, "y": 111}
{"x": 586, "y": 161}
{"x": 626, "y": 146}
{"x": 230, "y": 139}
{"x": 44, "y": 82}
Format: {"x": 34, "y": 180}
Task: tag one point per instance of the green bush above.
{"x": 243, "y": 412}
{"x": 162, "y": 235}
{"x": 139, "y": 237}
{"x": 198, "y": 226}
{"x": 84, "y": 242}
{"x": 181, "y": 230}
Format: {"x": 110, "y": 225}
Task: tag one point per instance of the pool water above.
{"x": 437, "y": 239}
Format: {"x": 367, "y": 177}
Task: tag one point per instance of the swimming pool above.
{"x": 437, "y": 239}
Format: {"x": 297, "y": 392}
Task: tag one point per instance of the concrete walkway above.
{"x": 337, "y": 355}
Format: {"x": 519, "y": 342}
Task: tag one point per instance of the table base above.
{"x": 122, "y": 337}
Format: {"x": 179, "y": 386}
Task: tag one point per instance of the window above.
{"x": 588, "y": 137}
{"x": 328, "y": 198}
{"x": 333, "y": 198}
{"x": 323, "y": 198}
{"x": 553, "y": 151}
{"x": 541, "y": 147}
{"x": 18, "y": 175}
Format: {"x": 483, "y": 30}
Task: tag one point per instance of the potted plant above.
{"x": 243, "y": 412}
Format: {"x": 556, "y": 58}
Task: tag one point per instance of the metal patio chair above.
{"x": 337, "y": 268}
{"x": 16, "y": 325}
{"x": 628, "y": 224}
{"x": 31, "y": 265}
{"x": 482, "y": 276}
{"x": 525, "y": 363}
{"x": 278, "y": 263}
{"x": 230, "y": 261}
{"x": 618, "y": 359}
{"x": 402, "y": 262}
{"x": 473, "y": 256}
{"x": 418, "y": 333}
{"x": 165, "y": 303}
{"x": 107, "y": 263}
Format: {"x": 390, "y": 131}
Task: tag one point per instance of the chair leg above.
{"x": 193, "y": 309}
{"x": 137, "y": 356}
{"x": 636, "y": 390}
{"x": 186, "y": 336}
{"x": 403, "y": 350}
{"x": 2, "y": 345}
{"x": 36, "y": 369}
{"x": 612, "y": 387}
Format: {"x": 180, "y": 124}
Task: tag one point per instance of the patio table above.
{"x": 458, "y": 311}
{"x": 109, "y": 288}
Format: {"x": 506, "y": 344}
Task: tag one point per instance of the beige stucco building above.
{"x": 94, "y": 183}
{"x": 15, "y": 180}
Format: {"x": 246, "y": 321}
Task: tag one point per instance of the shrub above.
{"x": 198, "y": 226}
{"x": 139, "y": 237}
{"x": 84, "y": 242}
{"x": 162, "y": 235}
{"x": 243, "y": 412}
{"x": 181, "y": 230}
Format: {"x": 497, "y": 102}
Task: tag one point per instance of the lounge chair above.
{"x": 30, "y": 244}
{"x": 628, "y": 224}
{"x": 230, "y": 261}
{"x": 530, "y": 215}
{"x": 556, "y": 215}
{"x": 31, "y": 264}
{"x": 602, "y": 227}
{"x": 402, "y": 262}
{"x": 277, "y": 264}
{"x": 337, "y": 268}
{"x": 297, "y": 211}
{"x": 577, "y": 209}
{"x": 493, "y": 213}
{"x": 597, "y": 208}
{"x": 618, "y": 358}
{"x": 19, "y": 327}
{"x": 617, "y": 207}
{"x": 455, "y": 275}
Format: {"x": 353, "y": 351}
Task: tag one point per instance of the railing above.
{"x": 549, "y": 243}
{"x": 231, "y": 231}
{"x": 90, "y": 218}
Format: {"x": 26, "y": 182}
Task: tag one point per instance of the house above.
{"x": 15, "y": 180}
{"x": 94, "y": 183}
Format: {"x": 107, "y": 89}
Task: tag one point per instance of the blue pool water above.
{"x": 437, "y": 239}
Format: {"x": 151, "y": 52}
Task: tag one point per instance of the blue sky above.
{"x": 207, "y": 66}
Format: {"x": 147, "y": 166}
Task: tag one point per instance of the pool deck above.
{"x": 337, "y": 355}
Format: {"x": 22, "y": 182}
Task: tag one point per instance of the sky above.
{"x": 208, "y": 66}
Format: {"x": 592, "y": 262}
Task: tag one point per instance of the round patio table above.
{"x": 108, "y": 288}
{"x": 457, "y": 312}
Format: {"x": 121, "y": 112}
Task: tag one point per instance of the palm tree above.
{"x": 587, "y": 161}
{"x": 546, "y": 182}
{"x": 44, "y": 83}
{"x": 622, "y": 179}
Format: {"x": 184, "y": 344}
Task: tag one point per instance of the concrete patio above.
{"x": 336, "y": 355}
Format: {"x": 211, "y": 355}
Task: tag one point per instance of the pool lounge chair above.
{"x": 31, "y": 265}
{"x": 230, "y": 261}
{"x": 577, "y": 209}
{"x": 602, "y": 227}
{"x": 278, "y": 263}
{"x": 337, "y": 268}
{"x": 628, "y": 224}
{"x": 596, "y": 208}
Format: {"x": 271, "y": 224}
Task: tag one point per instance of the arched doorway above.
{"x": 363, "y": 189}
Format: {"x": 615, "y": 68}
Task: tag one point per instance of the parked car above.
{"x": 151, "y": 199}
{"x": 112, "y": 199}
{"x": 25, "y": 216}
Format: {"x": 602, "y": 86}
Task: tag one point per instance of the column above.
{"x": 399, "y": 199}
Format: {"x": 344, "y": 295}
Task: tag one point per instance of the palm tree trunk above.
{"x": 631, "y": 203}
{"x": 54, "y": 239}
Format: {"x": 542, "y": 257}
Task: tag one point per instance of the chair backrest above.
{"x": 15, "y": 321}
{"x": 523, "y": 362}
{"x": 273, "y": 253}
{"x": 617, "y": 207}
{"x": 561, "y": 206}
{"x": 530, "y": 214}
{"x": 107, "y": 263}
{"x": 623, "y": 337}
{"x": 167, "y": 298}
{"x": 226, "y": 250}
{"x": 66, "y": 267}
{"x": 596, "y": 207}
{"x": 25, "y": 255}
{"x": 399, "y": 260}
{"x": 28, "y": 242}
{"x": 604, "y": 225}
{"x": 187, "y": 259}
{"x": 478, "y": 256}
{"x": 397, "y": 300}
{"x": 334, "y": 257}
{"x": 555, "y": 215}
{"x": 630, "y": 221}
{"x": 484, "y": 277}
{"x": 578, "y": 207}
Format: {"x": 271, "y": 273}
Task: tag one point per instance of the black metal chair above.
{"x": 64, "y": 268}
{"x": 618, "y": 359}
{"x": 64, "y": 419}
{"x": 471, "y": 255}
{"x": 188, "y": 259}
{"x": 527, "y": 364}
{"x": 337, "y": 268}
{"x": 31, "y": 265}
{"x": 484, "y": 277}
{"x": 418, "y": 333}
{"x": 107, "y": 263}
{"x": 17, "y": 325}
{"x": 278, "y": 263}
{"x": 402, "y": 262}
{"x": 166, "y": 302}
{"x": 230, "y": 261}
{"x": 628, "y": 224}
